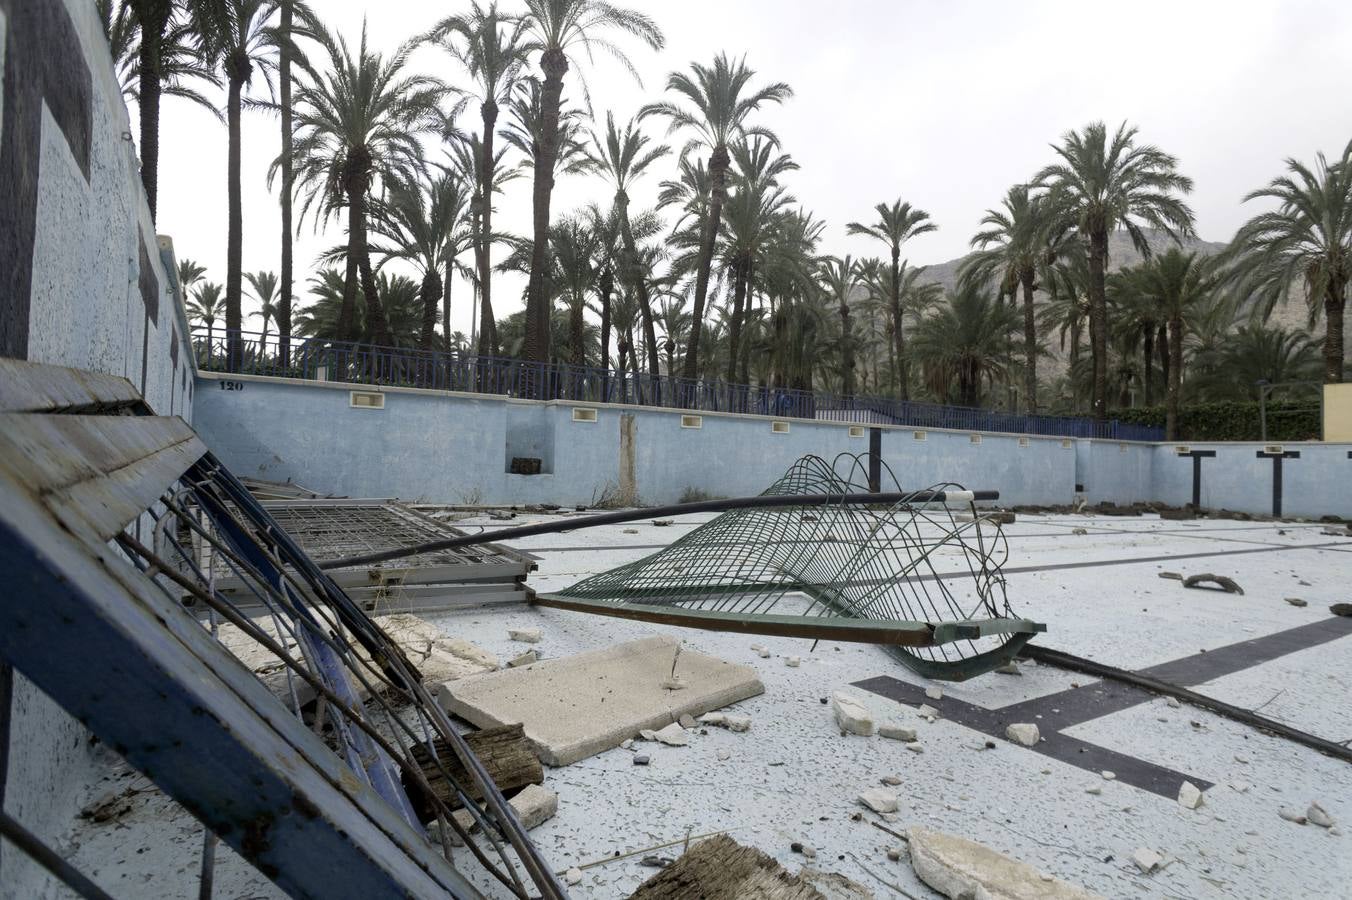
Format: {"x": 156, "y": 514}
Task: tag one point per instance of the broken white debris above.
{"x": 724, "y": 755}
{"x": 1010, "y": 669}
{"x": 573, "y": 876}
{"x": 763, "y": 653}
{"x": 1291, "y": 815}
{"x": 1146, "y": 860}
{"x": 687, "y": 721}
{"x": 894, "y": 853}
{"x": 891, "y": 780}
{"x": 535, "y": 805}
{"x": 879, "y": 800}
{"x": 1189, "y": 796}
{"x": 734, "y": 722}
{"x": 1108, "y": 776}
{"x": 713, "y": 718}
{"x": 757, "y": 648}
{"x": 1173, "y": 703}
{"x": 896, "y": 732}
{"x": 957, "y": 867}
{"x": 673, "y": 735}
{"x": 626, "y": 743}
{"x": 1240, "y": 786}
{"x": 1318, "y": 816}
{"x": 524, "y": 659}
{"x": 934, "y": 693}
{"x": 851, "y": 715}
{"x": 1023, "y": 733}
{"x": 793, "y": 662}
{"x": 928, "y": 712}
{"x": 1095, "y": 790}
{"x": 915, "y": 747}
{"x": 525, "y": 635}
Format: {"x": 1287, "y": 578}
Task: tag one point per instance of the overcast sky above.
{"x": 944, "y": 104}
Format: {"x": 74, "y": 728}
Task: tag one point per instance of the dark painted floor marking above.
{"x": 1076, "y": 706}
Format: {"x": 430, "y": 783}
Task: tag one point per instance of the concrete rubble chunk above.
{"x": 1189, "y": 795}
{"x": 1095, "y": 790}
{"x": 928, "y": 711}
{"x": 915, "y": 747}
{"x": 1296, "y": 601}
{"x": 851, "y": 714}
{"x": 1025, "y": 734}
{"x": 1146, "y": 860}
{"x": 524, "y": 659}
{"x": 672, "y": 735}
{"x": 1010, "y": 668}
{"x": 1292, "y": 815}
{"x": 1172, "y": 576}
{"x": 763, "y": 653}
{"x": 1172, "y": 703}
{"x": 525, "y": 635}
{"x": 879, "y": 800}
{"x": 573, "y": 876}
{"x": 891, "y": 780}
{"x": 793, "y": 662}
{"x": 895, "y": 853}
{"x": 641, "y": 759}
{"x": 573, "y": 707}
{"x": 535, "y": 805}
{"x": 713, "y": 718}
{"x": 896, "y": 732}
{"x": 724, "y": 755}
{"x": 735, "y": 722}
{"x": 958, "y": 868}
{"x": 1341, "y": 609}
{"x": 1316, "y": 815}
{"x": 687, "y": 721}
{"x": 934, "y": 693}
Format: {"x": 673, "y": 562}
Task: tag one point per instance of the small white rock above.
{"x": 891, "y": 780}
{"x": 1025, "y": 734}
{"x": 1318, "y": 816}
{"x": 1010, "y": 669}
{"x": 879, "y": 800}
{"x": 687, "y": 721}
{"x": 525, "y": 635}
{"x": 524, "y": 659}
{"x": 1189, "y": 796}
{"x": 1240, "y": 786}
{"x": 1146, "y": 860}
{"x": 934, "y": 693}
{"x": 737, "y": 723}
{"x": 673, "y": 735}
{"x": 1172, "y": 702}
{"x": 763, "y": 653}
{"x": 1292, "y": 815}
{"x": 626, "y": 743}
{"x": 852, "y": 715}
{"x": 896, "y": 732}
{"x": 793, "y": 662}
{"x": 713, "y": 718}
{"x": 1108, "y": 776}
{"x": 573, "y": 875}
{"x": 724, "y": 755}
{"x": 928, "y": 712}
{"x": 915, "y": 748}
{"x": 1095, "y": 790}
{"x": 757, "y": 648}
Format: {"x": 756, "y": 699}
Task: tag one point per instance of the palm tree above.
{"x": 423, "y": 222}
{"x": 189, "y": 273}
{"x": 153, "y": 18}
{"x": 963, "y": 344}
{"x": 1181, "y": 284}
{"x": 494, "y": 50}
{"x": 466, "y": 153}
{"x": 358, "y": 126}
{"x": 721, "y": 102}
{"x": 1308, "y": 239}
{"x": 839, "y": 278}
{"x": 558, "y": 27}
{"x": 264, "y": 286}
{"x": 896, "y": 224}
{"x": 622, "y": 157}
{"x": 575, "y": 274}
{"x": 205, "y": 307}
{"x": 1254, "y": 353}
{"x": 397, "y": 294}
{"x": 1019, "y": 240}
{"x": 238, "y": 35}
{"x": 180, "y": 62}
{"x": 286, "y": 52}
{"x": 1102, "y": 184}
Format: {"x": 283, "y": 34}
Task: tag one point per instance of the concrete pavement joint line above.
{"x": 1064, "y": 709}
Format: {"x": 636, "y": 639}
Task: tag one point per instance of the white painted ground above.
{"x": 794, "y": 778}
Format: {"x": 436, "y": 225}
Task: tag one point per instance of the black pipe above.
{"x": 675, "y": 509}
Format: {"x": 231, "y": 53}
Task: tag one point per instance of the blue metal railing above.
{"x": 317, "y": 359}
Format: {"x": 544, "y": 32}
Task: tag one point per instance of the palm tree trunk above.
{"x": 640, "y": 286}
{"x": 446, "y": 305}
{"x": 1098, "y": 320}
{"x": 234, "y": 242}
{"x": 154, "y": 18}
{"x": 284, "y": 77}
{"x": 575, "y": 333}
{"x": 846, "y": 349}
{"x": 606, "y": 285}
{"x": 483, "y": 252}
{"x": 1148, "y": 354}
{"x": 718, "y": 174}
{"x": 899, "y": 334}
{"x": 1175, "y": 378}
{"x": 1029, "y": 345}
{"x": 431, "y": 293}
{"x": 554, "y": 64}
{"x": 1166, "y": 358}
{"x": 735, "y": 325}
{"x": 377, "y": 326}
{"x": 347, "y": 313}
{"x": 1333, "y": 331}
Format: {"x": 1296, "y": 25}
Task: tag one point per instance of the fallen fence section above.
{"x": 837, "y": 570}
{"x": 107, "y": 522}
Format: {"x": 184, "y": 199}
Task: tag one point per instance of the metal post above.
{"x": 875, "y": 460}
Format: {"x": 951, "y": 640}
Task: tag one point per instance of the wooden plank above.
{"x": 506, "y": 754}
{"x": 147, "y": 679}
{"x": 96, "y": 473}
{"x": 37, "y": 387}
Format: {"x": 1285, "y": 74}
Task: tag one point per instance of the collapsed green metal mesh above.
{"x": 908, "y": 563}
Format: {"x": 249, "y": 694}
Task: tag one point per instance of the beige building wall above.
{"x": 1338, "y": 412}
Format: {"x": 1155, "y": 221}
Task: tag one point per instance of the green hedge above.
{"x": 1233, "y": 421}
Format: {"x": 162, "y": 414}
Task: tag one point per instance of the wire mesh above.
{"x": 329, "y": 664}
{"x": 911, "y": 561}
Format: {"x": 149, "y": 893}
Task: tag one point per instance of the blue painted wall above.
{"x": 456, "y": 448}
